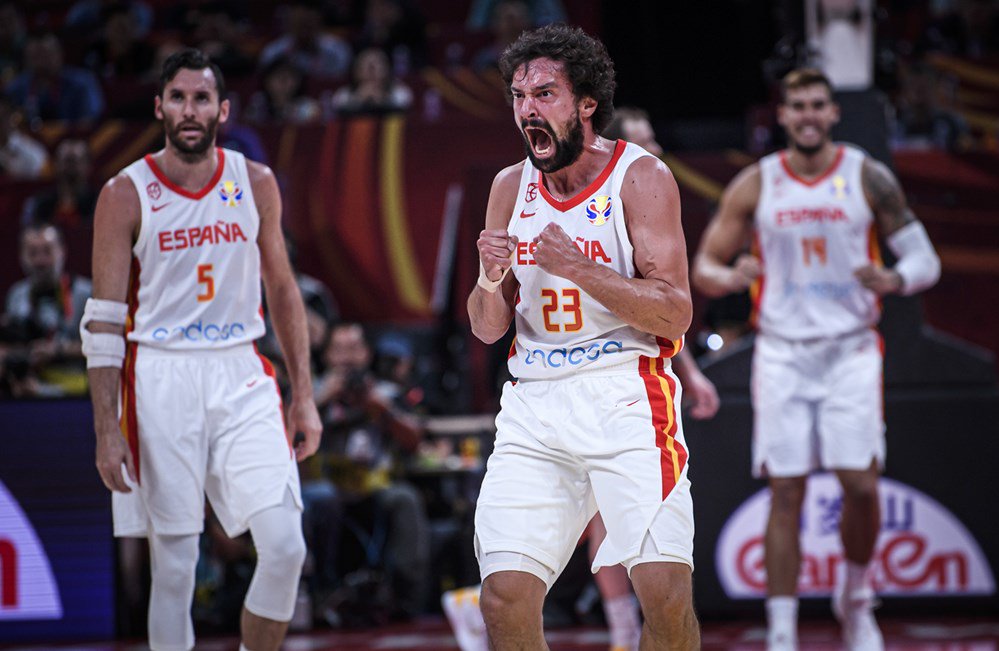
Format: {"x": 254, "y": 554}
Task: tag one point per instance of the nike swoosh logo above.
{"x": 525, "y": 215}
{"x": 631, "y": 403}
{"x": 250, "y": 384}
{"x": 159, "y": 208}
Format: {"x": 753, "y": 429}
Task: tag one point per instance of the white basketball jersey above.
{"x": 195, "y": 265}
{"x": 811, "y": 236}
{"x": 561, "y": 330}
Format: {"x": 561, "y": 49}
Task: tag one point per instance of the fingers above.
{"x": 130, "y": 469}
{"x": 113, "y": 477}
{"x": 308, "y": 445}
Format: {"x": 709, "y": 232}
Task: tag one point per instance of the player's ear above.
{"x": 224, "y": 111}
{"x": 587, "y": 107}
{"x": 158, "y": 107}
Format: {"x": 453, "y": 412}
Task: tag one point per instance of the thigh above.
{"x": 784, "y": 412}
{"x": 535, "y": 499}
{"x": 173, "y": 451}
{"x": 251, "y": 462}
{"x": 851, "y": 418}
{"x": 637, "y": 462}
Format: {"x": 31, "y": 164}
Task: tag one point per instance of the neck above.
{"x": 811, "y": 164}
{"x": 189, "y": 171}
{"x": 569, "y": 181}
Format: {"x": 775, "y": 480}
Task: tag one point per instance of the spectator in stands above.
{"x": 282, "y": 98}
{"x": 971, "y": 29}
{"x": 70, "y": 202}
{"x": 21, "y": 156}
{"x": 235, "y": 135}
{"x": 48, "y": 90}
{"x": 41, "y": 320}
{"x": 86, "y": 16}
{"x": 368, "y": 431}
{"x": 510, "y": 18}
{"x": 221, "y": 36}
{"x": 12, "y": 40}
{"x": 315, "y": 54}
{"x": 544, "y": 12}
{"x": 120, "y": 51}
{"x": 398, "y": 28}
{"x": 922, "y": 121}
{"x": 372, "y": 86}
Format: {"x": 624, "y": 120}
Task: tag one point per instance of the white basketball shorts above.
{"x": 817, "y": 404}
{"x": 565, "y": 448}
{"x": 205, "y": 422}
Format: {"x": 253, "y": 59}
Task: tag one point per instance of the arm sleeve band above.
{"x": 918, "y": 264}
{"x": 103, "y": 348}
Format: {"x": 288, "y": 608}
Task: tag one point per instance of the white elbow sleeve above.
{"x": 918, "y": 264}
{"x": 103, "y": 349}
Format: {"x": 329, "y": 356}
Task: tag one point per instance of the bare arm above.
{"x": 892, "y": 213}
{"x": 699, "y": 393}
{"x": 658, "y": 300}
{"x": 116, "y": 220}
{"x": 491, "y": 312}
{"x": 727, "y": 233}
{"x": 285, "y": 302}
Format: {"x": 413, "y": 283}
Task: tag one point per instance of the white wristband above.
{"x": 103, "y": 349}
{"x": 490, "y": 285}
{"x": 917, "y": 264}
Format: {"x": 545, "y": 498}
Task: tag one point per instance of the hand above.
{"x": 496, "y": 249}
{"x": 879, "y": 280}
{"x": 112, "y": 452}
{"x": 555, "y": 252}
{"x": 746, "y": 269}
{"x": 702, "y": 396}
{"x": 304, "y": 418}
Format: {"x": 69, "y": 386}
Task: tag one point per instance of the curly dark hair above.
{"x": 190, "y": 59}
{"x": 587, "y": 65}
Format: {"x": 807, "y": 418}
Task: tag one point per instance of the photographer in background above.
{"x": 367, "y": 433}
{"x": 39, "y": 329}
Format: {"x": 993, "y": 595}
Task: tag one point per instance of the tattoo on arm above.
{"x": 886, "y": 197}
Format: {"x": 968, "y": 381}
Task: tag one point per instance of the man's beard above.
{"x": 567, "y": 151}
{"x": 197, "y": 150}
{"x": 810, "y": 150}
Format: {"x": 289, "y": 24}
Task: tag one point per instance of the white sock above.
{"x": 242, "y": 647}
{"x": 622, "y": 617}
{"x": 857, "y": 578}
{"x": 782, "y": 615}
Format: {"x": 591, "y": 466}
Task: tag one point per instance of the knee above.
{"x": 285, "y": 558}
{"x": 862, "y": 491}
{"x": 786, "y": 498}
{"x": 667, "y": 609}
{"x": 503, "y": 598}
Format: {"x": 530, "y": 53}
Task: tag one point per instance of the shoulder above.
{"x": 120, "y": 190}
{"x": 646, "y": 169}
{"x": 744, "y": 188}
{"x": 259, "y": 174}
{"x": 874, "y": 172}
{"x": 507, "y": 181}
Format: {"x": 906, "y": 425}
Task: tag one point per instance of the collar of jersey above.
{"x": 583, "y": 195}
{"x": 165, "y": 180}
{"x": 818, "y": 179}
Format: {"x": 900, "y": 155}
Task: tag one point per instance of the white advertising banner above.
{"x": 27, "y": 587}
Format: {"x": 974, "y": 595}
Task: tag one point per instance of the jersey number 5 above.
{"x": 570, "y": 305}
{"x": 205, "y": 278}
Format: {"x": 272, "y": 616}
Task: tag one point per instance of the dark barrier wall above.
{"x": 56, "y": 549}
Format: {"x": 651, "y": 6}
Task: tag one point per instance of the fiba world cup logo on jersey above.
{"x": 230, "y": 193}
{"x": 598, "y": 211}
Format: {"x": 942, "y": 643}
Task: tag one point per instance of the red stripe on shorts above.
{"x": 269, "y": 372}
{"x": 129, "y": 422}
{"x": 661, "y": 390}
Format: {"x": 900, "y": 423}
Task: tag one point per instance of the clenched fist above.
{"x": 496, "y": 249}
{"x": 555, "y": 252}
{"x": 746, "y": 269}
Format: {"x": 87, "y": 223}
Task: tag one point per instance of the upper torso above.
{"x": 195, "y": 281}
{"x": 812, "y": 235}
{"x": 561, "y": 330}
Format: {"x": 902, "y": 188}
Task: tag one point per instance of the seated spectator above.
{"x": 315, "y": 54}
{"x": 921, "y": 121}
{"x": 21, "y": 156}
{"x": 70, "y": 202}
{"x": 221, "y": 36}
{"x": 282, "y": 98}
{"x": 41, "y": 320}
{"x": 397, "y": 28}
{"x": 372, "y": 86}
{"x": 48, "y": 90}
{"x": 12, "y": 39}
{"x": 544, "y": 12}
{"x": 85, "y": 16}
{"x": 510, "y": 18}
{"x": 119, "y": 52}
{"x": 367, "y": 432}
{"x": 632, "y": 124}
{"x": 970, "y": 29}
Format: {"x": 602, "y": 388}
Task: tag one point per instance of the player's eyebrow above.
{"x": 546, "y": 86}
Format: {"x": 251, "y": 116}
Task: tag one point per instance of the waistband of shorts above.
{"x": 816, "y": 340}
{"x": 237, "y": 350}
